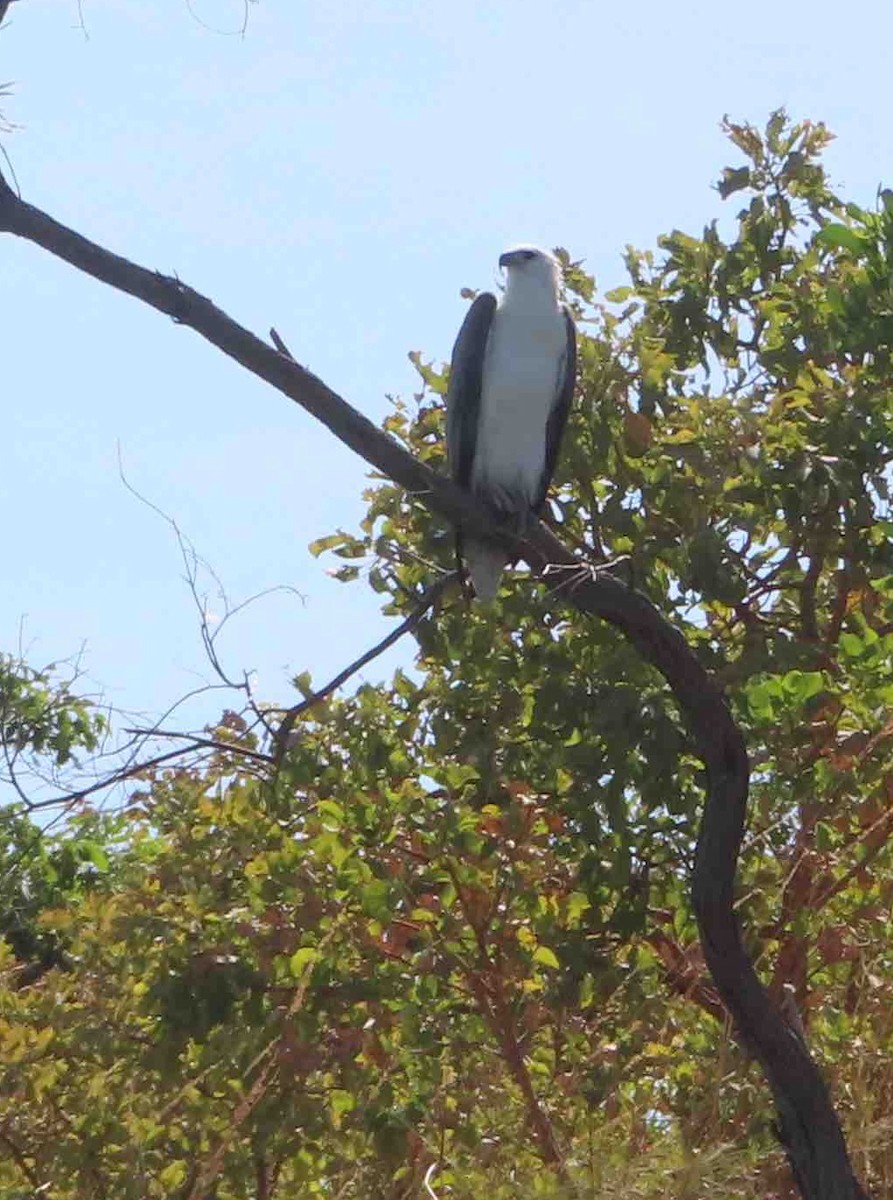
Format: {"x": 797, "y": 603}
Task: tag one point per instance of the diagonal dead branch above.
{"x": 409, "y": 623}
{"x": 131, "y": 771}
{"x": 196, "y": 741}
{"x": 808, "y": 1126}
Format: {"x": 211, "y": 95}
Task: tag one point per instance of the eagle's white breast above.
{"x": 521, "y": 379}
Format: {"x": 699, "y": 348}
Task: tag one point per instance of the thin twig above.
{"x": 75, "y": 797}
{"x": 280, "y": 345}
{"x": 198, "y": 741}
{"x": 409, "y": 623}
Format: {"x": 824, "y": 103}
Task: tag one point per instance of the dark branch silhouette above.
{"x": 807, "y": 1123}
{"x": 291, "y": 715}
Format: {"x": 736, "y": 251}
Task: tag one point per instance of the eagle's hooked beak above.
{"x": 521, "y": 254}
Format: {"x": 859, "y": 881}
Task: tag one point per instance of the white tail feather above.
{"x": 485, "y": 566}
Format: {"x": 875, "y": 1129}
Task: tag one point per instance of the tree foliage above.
{"x": 450, "y": 925}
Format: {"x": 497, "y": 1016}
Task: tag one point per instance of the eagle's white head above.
{"x": 528, "y": 267}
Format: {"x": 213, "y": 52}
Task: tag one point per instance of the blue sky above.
{"x": 340, "y": 172}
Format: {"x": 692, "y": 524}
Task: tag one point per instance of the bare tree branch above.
{"x": 808, "y": 1125}
{"x": 205, "y": 743}
{"x": 128, "y": 772}
{"x": 238, "y": 32}
{"x": 187, "y": 307}
{"x": 292, "y": 714}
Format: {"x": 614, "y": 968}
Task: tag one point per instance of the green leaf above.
{"x": 851, "y": 645}
{"x": 375, "y": 898}
{"x": 546, "y": 957}
{"x": 345, "y": 574}
{"x": 841, "y": 236}
{"x": 801, "y": 685}
{"x": 173, "y": 1175}
{"x": 760, "y": 699}
{"x": 332, "y": 811}
{"x": 733, "y": 180}
{"x": 329, "y": 542}
{"x": 302, "y": 959}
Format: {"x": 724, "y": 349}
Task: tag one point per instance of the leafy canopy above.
{"x": 452, "y": 924}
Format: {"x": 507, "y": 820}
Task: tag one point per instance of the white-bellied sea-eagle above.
{"x": 511, "y": 383}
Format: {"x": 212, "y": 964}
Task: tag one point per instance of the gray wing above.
{"x": 464, "y": 392}
{"x": 567, "y": 374}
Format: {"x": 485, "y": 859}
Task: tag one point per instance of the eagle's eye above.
{"x": 527, "y": 255}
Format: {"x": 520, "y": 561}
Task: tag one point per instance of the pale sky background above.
{"x": 340, "y": 172}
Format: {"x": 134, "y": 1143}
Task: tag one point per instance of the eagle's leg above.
{"x": 513, "y": 509}
{"x": 579, "y": 572}
{"x": 462, "y": 570}
{"x": 525, "y": 519}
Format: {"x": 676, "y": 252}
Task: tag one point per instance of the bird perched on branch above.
{"x": 510, "y": 389}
